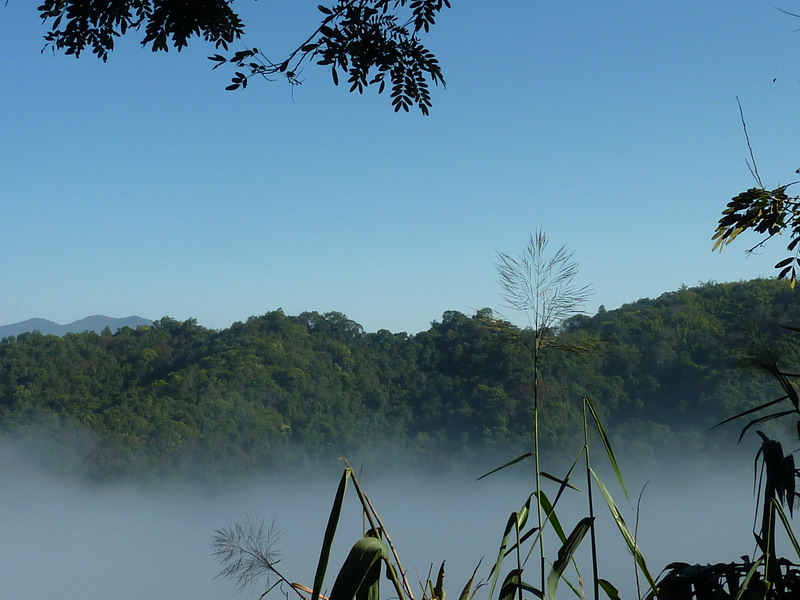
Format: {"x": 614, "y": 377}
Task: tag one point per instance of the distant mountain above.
{"x": 93, "y": 323}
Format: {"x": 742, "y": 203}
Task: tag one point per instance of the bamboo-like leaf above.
{"x": 764, "y": 419}
{"x": 330, "y": 532}
{"x": 609, "y": 589}
{"x": 630, "y": 541}
{"x": 747, "y": 578}
{"x": 359, "y": 576}
{"x": 551, "y": 516}
{"x": 751, "y": 411}
{"x": 563, "y": 482}
{"x": 512, "y": 583}
{"x": 516, "y": 521}
{"x": 786, "y": 525}
{"x": 466, "y": 593}
{"x": 606, "y": 444}
{"x": 438, "y": 589}
{"x": 565, "y": 553}
{"x": 508, "y": 464}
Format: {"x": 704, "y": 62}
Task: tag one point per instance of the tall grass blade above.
{"x": 786, "y": 525}
{"x": 466, "y": 593}
{"x": 551, "y": 516}
{"x": 513, "y": 583}
{"x": 764, "y": 419}
{"x": 508, "y": 464}
{"x": 565, "y": 553}
{"x": 330, "y": 532}
{"x": 516, "y": 521}
{"x": 438, "y": 589}
{"x": 377, "y": 524}
{"x": 743, "y": 589}
{"x": 630, "y": 541}
{"x": 607, "y": 445}
{"x": 751, "y": 411}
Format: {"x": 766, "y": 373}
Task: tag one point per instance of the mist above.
{"x": 70, "y": 540}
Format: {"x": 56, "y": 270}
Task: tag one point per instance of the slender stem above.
{"x": 519, "y": 560}
{"x": 593, "y": 538}
{"x": 536, "y": 348}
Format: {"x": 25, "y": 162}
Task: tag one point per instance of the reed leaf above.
{"x": 516, "y": 521}
{"x": 786, "y": 525}
{"x": 565, "y": 553}
{"x": 609, "y": 589}
{"x": 467, "y": 593}
{"x": 630, "y": 540}
{"x": 743, "y": 589}
{"x": 606, "y": 445}
{"x": 359, "y": 576}
{"x": 330, "y": 532}
{"x": 551, "y": 515}
{"x": 751, "y": 411}
{"x": 508, "y": 464}
{"x": 764, "y": 419}
{"x": 438, "y": 589}
{"x": 513, "y": 583}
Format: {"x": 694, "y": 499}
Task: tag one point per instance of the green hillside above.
{"x": 278, "y": 391}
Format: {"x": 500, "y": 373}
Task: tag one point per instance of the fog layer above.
{"x": 72, "y": 542}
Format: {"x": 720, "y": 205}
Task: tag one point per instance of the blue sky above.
{"x": 140, "y": 186}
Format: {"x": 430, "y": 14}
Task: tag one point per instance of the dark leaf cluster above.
{"x": 365, "y": 42}
{"x": 75, "y": 25}
{"x": 767, "y": 213}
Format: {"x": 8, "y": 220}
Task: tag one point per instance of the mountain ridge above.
{"x": 96, "y": 323}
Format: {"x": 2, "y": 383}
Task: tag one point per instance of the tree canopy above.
{"x": 278, "y": 391}
{"x": 368, "y": 42}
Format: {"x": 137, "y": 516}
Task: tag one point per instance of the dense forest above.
{"x": 279, "y": 391}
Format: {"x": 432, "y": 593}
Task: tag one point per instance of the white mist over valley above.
{"x": 72, "y": 541}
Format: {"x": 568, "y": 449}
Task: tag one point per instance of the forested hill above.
{"x": 278, "y": 390}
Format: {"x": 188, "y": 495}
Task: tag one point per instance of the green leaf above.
{"x": 630, "y": 541}
{"x": 330, "y": 532}
{"x": 609, "y": 589}
{"x": 565, "y": 553}
{"x": 606, "y": 444}
{"x": 516, "y": 521}
{"x": 508, "y": 464}
{"x": 359, "y": 576}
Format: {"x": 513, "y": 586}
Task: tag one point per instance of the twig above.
{"x": 754, "y": 168}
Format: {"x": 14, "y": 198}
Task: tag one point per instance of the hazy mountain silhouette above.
{"x": 93, "y": 323}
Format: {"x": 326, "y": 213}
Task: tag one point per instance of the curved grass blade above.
{"x": 516, "y": 521}
{"x": 786, "y": 525}
{"x": 630, "y": 541}
{"x": 466, "y": 593}
{"x": 512, "y": 583}
{"x": 764, "y": 419}
{"x": 551, "y": 516}
{"x": 607, "y": 445}
{"x": 565, "y": 553}
{"x": 609, "y": 589}
{"x": 330, "y": 532}
{"x": 359, "y": 576}
{"x": 751, "y": 411}
{"x": 508, "y": 464}
{"x": 747, "y": 578}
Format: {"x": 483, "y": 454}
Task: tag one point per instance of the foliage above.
{"x": 765, "y": 212}
{"x": 763, "y": 577}
{"x": 279, "y": 391}
{"x": 369, "y": 42}
{"x": 768, "y": 213}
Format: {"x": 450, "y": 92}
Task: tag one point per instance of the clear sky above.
{"x": 140, "y": 186}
